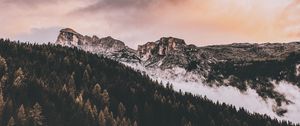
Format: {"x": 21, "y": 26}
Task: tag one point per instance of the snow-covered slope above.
{"x": 257, "y": 77}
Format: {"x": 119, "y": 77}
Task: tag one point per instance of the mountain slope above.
{"x": 247, "y": 67}
{"x": 54, "y": 85}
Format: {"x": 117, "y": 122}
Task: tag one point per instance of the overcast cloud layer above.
{"x": 200, "y": 22}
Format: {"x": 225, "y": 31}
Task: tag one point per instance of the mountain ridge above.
{"x": 236, "y": 65}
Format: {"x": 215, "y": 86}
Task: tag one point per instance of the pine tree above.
{"x": 3, "y": 64}
{"x": 79, "y": 99}
{"x": 19, "y": 78}
{"x": 11, "y": 122}
{"x": 88, "y": 108}
{"x": 105, "y": 98}
{"x": 108, "y": 116}
{"x": 65, "y": 89}
{"x": 106, "y": 113}
{"x": 268, "y": 123}
{"x": 188, "y": 123}
{"x": 121, "y": 110}
{"x": 135, "y": 112}
{"x": 114, "y": 122}
{"x": 88, "y": 68}
{"x": 101, "y": 118}
{"x": 3, "y": 72}
{"x": 86, "y": 76}
{"x": 212, "y": 123}
{"x": 118, "y": 121}
{"x": 95, "y": 112}
{"x": 66, "y": 60}
{"x": 71, "y": 85}
{"x": 22, "y": 115}
{"x": 129, "y": 122}
{"x": 124, "y": 122}
{"x": 135, "y": 123}
{"x": 244, "y": 124}
{"x": 36, "y": 115}
{"x": 97, "y": 91}
{"x": 2, "y": 103}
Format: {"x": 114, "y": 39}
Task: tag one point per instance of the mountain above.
{"x": 107, "y": 46}
{"x": 61, "y": 86}
{"x": 266, "y": 70}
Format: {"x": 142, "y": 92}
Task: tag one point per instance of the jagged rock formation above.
{"x": 69, "y": 37}
{"x": 107, "y": 46}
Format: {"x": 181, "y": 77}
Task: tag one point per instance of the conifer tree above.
{"x": 3, "y": 64}
{"x": 135, "y": 123}
{"x": 121, "y": 110}
{"x": 124, "y": 122}
{"x": 135, "y": 112}
{"x": 2, "y": 103}
{"x": 86, "y": 76}
{"x": 105, "y": 98}
{"x": 3, "y": 72}
{"x": 101, "y": 118}
{"x": 18, "y": 77}
{"x": 97, "y": 90}
{"x": 71, "y": 85}
{"x": 11, "y": 122}
{"x": 95, "y": 112}
{"x": 79, "y": 99}
{"x": 36, "y": 115}
{"x": 88, "y": 108}
{"x": 22, "y": 115}
{"x": 108, "y": 116}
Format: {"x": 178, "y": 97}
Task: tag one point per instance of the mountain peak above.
{"x": 69, "y": 37}
{"x": 172, "y": 40}
{"x": 161, "y": 47}
{"x": 68, "y": 30}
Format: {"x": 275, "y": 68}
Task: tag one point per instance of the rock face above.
{"x": 107, "y": 46}
{"x": 162, "y": 47}
{"x": 163, "y": 51}
{"x": 69, "y": 37}
{"x": 240, "y": 65}
{"x": 168, "y": 53}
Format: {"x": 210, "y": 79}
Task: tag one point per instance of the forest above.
{"x": 51, "y": 85}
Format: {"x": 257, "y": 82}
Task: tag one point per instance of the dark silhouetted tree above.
{"x": 36, "y": 115}
{"x": 22, "y": 118}
{"x": 121, "y": 110}
{"x": 105, "y": 98}
{"x": 101, "y": 118}
{"x": 97, "y": 91}
{"x": 19, "y": 77}
{"x": 11, "y": 122}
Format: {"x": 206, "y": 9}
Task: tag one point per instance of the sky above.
{"x": 135, "y": 22}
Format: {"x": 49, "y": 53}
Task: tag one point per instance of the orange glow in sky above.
{"x": 200, "y": 22}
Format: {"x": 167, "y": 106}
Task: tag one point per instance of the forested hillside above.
{"x": 60, "y": 86}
